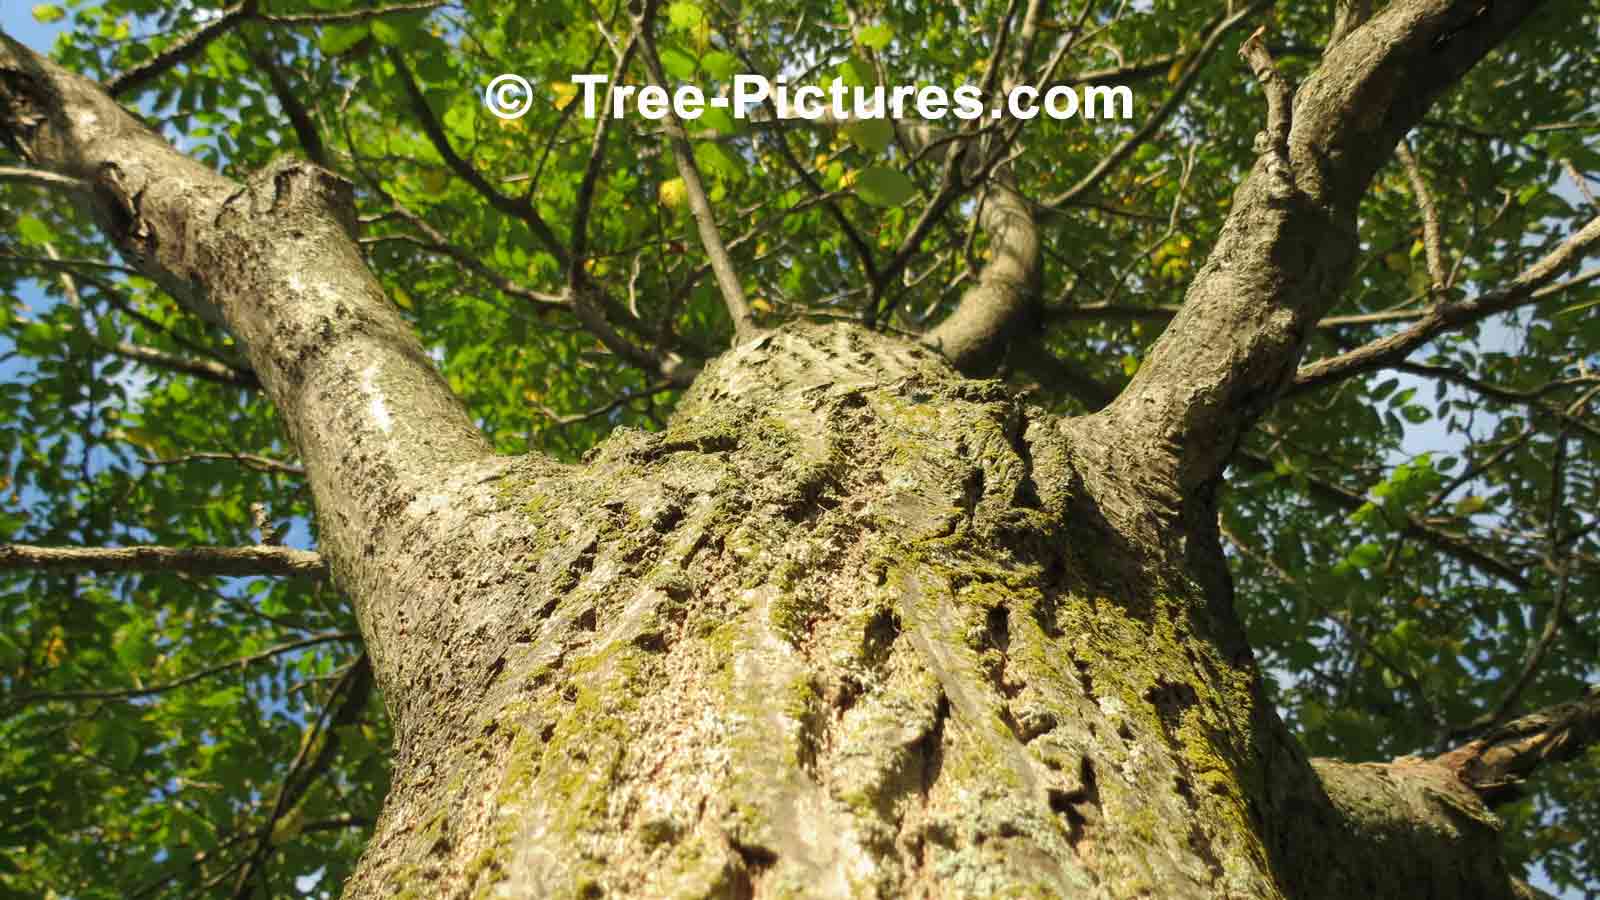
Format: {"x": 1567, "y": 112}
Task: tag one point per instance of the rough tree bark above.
{"x": 855, "y": 624}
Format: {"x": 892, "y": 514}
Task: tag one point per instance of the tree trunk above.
{"x": 831, "y": 635}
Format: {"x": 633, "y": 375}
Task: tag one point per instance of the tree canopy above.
{"x": 1411, "y": 528}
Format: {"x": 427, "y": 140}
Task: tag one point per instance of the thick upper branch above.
{"x": 1496, "y": 765}
{"x": 1288, "y": 246}
{"x": 274, "y": 261}
{"x": 1006, "y": 295}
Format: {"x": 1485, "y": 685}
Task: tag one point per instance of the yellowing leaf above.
{"x": 288, "y": 826}
{"x": 55, "y": 648}
{"x": 565, "y": 92}
{"x": 672, "y": 193}
{"x": 684, "y": 16}
{"x": 434, "y": 181}
{"x": 139, "y": 437}
{"x": 876, "y": 37}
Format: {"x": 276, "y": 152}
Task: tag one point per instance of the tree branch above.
{"x": 195, "y": 42}
{"x": 1497, "y": 765}
{"x": 588, "y": 301}
{"x": 1115, "y": 312}
{"x": 252, "y": 460}
{"x": 977, "y": 334}
{"x": 858, "y": 244}
{"x": 343, "y": 707}
{"x": 705, "y": 218}
{"x": 1453, "y": 545}
{"x": 1289, "y": 244}
{"x": 619, "y": 401}
{"x": 40, "y": 178}
{"x": 294, "y": 109}
{"x": 1531, "y": 286}
{"x": 207, "y": 369}
{"x": 1348, "y": 15}
{"x": 276, "y": 261}
{"x": 1432, "y": 240}
{"x": 218, "y": 669}
{"x": 1180, "y": 92}
{"x": 521, "y": 209}
{"x": 1569, "y": 418}
{"x": 350, "y": 17}
{"x": 180, "y": 51}
{"x": 235, "y": 561}
{"x": 591, "y": 173}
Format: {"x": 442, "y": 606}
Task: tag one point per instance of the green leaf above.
{"x": 883, "y": 186}
{"x": 716, "y": 159}
{"x": 46, "y": 13}
{"x": 132, "y": 643}
{"x": 337, "y": 39}
{"x": 399, "y": 29}
{"x": 1365, "y": 555}
{"x": 719, "y": 120}
{"x": 226, "y": 697}
{"x": 857, "y": 72}
{"x": 721, "y": 66}
{"x": 684, "y": 16}
{"x": 678, "y": 64}
{"x": 871, "y": 135}
{"x": 34, "y": 231}
{"x": 876, "y": 37}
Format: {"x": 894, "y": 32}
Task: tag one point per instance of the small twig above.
{"x": 41, "y": 178}
{"x": 1432, "y": 242}
{"x": 1531, "y": 285}
{"x": 352, "y": 16}
{"x": 218, "y": 669}
{"x": 621, "y": 400}
{"x": 694, "y": 189}
{"x": 182, "y": 50}
{"x": 254, "y": 461}
{"x": 1280, "y": 94}
{"x": 1170, "y": 106}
